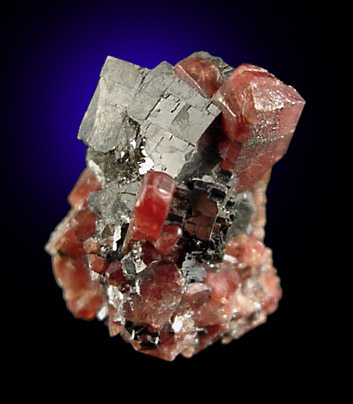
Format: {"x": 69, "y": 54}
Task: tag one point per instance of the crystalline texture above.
{"x": 83, "y": 295}
{"x": 164, "y": 240}
{"x": 201, "y": 74}
{"x": 259, "y": 116}
{"x": 152, "y": 206}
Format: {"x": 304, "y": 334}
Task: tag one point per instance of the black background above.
{"x": 40, "y": 168}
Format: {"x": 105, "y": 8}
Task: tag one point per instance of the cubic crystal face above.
{"x": 164, "y": 240}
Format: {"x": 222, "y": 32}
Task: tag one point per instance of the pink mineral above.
{"x": 171, "y": 234}
{"x": 259, "y": 116}
{"x": 201, "y": 74}
{"x": 160, "y": 291}
{"x": 152, "y": 206}
{"x": 165, "y": 237}
{"x": 255, "y": 103}
{"x": 82, "y": 294}
{"x": 86, "y": 184}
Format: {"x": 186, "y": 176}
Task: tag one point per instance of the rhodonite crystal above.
{"x": 164, "y": 240}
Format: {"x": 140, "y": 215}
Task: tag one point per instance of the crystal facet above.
{"x": 164, "y": 240}
{"x": 259, "y": 116}
{"x": 201, "y": 74}
{"x": 152, "y": 205}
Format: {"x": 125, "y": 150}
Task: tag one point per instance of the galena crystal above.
{"x": 164, "y": 240}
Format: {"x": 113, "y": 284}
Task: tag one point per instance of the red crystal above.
{"x": 81, "y": 224}
{"x": 259, "y": 115}
{"x": 204, "y": 212}
{"x": 97, "y": 264}
{"x": 171, "y": 344}
{"x": 85, "y": 303}
{"x": 196, "y": 292}
{"x": 170, "y": 236}
{"x": 223, "y": 284}
{"x": 209, "y": 312}
{"x": 152, "y": 206}
{"x": 253, "y": 101}
{"x": 201, "y": 74}
{"x": 247, "y": 250}
{"x": 150, "y": 253}
{"x": 83, "y": 296}
{"x": 250, "y": 161}
{"x": 116, "y": 277}
{"x": 187, "y": 265}
{"x": 160, "y": 291}
{"x": 86, "y": 184}
{"x": 91, "y": 245}
{"x": 69, "y": 244}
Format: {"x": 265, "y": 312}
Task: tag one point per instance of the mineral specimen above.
{"x": 164, "y": 240}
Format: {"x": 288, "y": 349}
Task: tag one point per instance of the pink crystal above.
{"x": 116, "y": 277}
{"x": 152, "y": 206}
{"x": 160, "y": 291}
{"x": 259, "y": 116}
{"x": 83, "y": 295}
{"x": 254, "y": 102}
{"x": 174, "y": 262}
{"x": 86, "y": 184}
{"x": 201, "y": 74}
{"x": 97, "y": 264}
{"x": 171, "y": 234}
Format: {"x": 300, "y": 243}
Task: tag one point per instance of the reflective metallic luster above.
{"x": 169, "y": 295}
{"x": 116, "y": 299}
{"x": 192, "y": 270}
{"x": 136, "y": 253}
{"x": 102, "y": 313}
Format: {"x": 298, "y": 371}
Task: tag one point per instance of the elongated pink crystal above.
{"x": 152, "y": 206}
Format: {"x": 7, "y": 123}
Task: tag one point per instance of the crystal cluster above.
{"x": 164, "y": 239}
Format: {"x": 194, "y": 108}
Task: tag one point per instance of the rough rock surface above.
{"x": 164, "y": 241}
